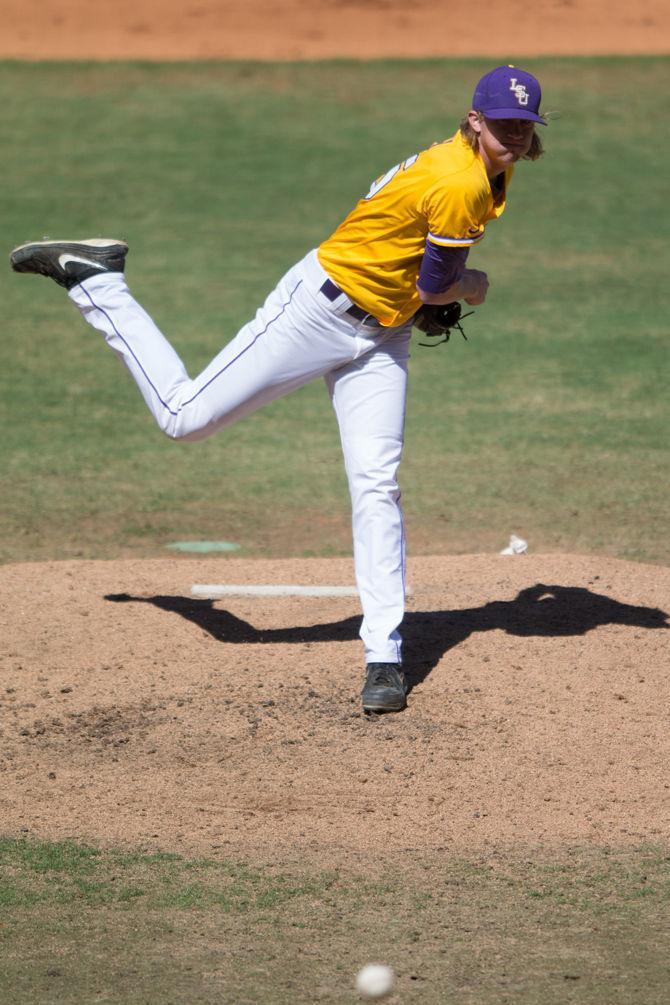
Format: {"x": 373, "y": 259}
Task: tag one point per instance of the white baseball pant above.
{"x": 298, "y": 334}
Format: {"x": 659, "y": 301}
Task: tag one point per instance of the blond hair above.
{"x": 472, "y": 139}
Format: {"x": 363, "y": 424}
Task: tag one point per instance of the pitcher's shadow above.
{"x": 540, "y": 610}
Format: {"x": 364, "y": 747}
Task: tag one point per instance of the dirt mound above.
{"x": 317, "y": 29}
{"x": 135, "y": 714}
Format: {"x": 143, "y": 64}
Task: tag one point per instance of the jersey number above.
{"x": 380, "y": 182}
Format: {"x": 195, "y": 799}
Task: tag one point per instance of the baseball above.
{"x": 374, "y": 981}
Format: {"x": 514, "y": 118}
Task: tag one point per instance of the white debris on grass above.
{"x": 516, "y": 546}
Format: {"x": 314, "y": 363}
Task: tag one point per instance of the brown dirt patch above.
{"x": 317, "y": 29}
{"x": 135, "y": 715}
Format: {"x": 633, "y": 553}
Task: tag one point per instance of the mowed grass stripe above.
{"x": 552, "y": 420}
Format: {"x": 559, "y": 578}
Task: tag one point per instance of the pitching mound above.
{"x": 134, "y": 714}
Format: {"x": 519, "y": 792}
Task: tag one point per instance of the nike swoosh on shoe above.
{"x": 65, "y": 259}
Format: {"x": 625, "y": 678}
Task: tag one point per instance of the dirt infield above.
{"x": 316, "y": 29}
{"x": 133, "y": 714}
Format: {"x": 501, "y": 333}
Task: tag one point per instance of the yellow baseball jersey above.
{"x": 441, "y": 195}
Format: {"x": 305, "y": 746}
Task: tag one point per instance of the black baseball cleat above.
{"x": 70, "y": 262}
{"x": 385, "y": 688}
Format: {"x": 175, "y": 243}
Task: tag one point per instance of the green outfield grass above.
{"x": 82, "y": 925}
{"x": 552, "y": 421}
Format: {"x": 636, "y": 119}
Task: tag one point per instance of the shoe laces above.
{"x": 385, "y": 674}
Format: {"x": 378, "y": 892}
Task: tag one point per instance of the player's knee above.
{"x": 169, "y": 424}
{"x": 371, "y": 488}
{"x": 175, "y": 428}
{"x": 375, "y": 473}
{"x": 186, "y": 435}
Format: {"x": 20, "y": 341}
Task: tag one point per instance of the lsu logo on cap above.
{"x": 520, "y": 92}
{"x": 508, "y": 92}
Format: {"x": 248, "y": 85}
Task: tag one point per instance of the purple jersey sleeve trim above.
{"x": 441, "y": 267}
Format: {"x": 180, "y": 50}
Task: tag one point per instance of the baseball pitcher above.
{"x": 344, "y": 313}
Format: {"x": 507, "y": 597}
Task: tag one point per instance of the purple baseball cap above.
{"x": 508, "y": 93}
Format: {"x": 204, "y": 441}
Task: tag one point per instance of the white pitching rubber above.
{"x": 214, "y": 591}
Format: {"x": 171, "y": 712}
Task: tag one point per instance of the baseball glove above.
{"x": 438, "y": 320}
